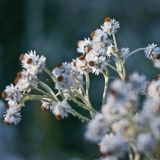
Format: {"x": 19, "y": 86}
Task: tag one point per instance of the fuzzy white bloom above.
{"x": 97, "y": 128}
{"x": 123, "y": 128}
{"x": 96, "y": 63}
{"x": 145, "y": 143}
{"x": 110, "y": 26}
{"x": 111, "y": 50}
{"x": 61, "y": 109}
{"x": 12, "y": 115}
{"x": 151, "y": 108}
{"x": 46, "y": 103}
{"x": 97, "y": 35}
{"x": 137, "y": 82}
{"x": 67, "y": 76}
{"x": 152, "y": 51}
{"x": 156, "y": 63}
{"x": 154, "y": 89}
{"x": 124, "y": 52}
{"x": 83, "y": 46}
{"x": 25, "y": 81}
{"x": 12, "y": 95}
{"x": 81, "y": 65}
{"x": 113, "y": 145}
{"x": 32, "y": 62}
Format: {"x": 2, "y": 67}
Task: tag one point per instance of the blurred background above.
{"x": 52, "y": 28}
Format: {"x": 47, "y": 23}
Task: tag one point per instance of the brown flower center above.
{"x": 60, "y": 78}
{"x": 21, "y": 57}
{"x": 108, "y": 19}
{"x": 92, "y": 34}
{"x": 74, "y": 64}
{"x": 82, "y": 58}
{"x": 58, "y": 117}
{"x": 59, "y": 64}
{"x": 4, "y": 95}
{"x": 29, "y": 61}
{"x": 91, "y": 63}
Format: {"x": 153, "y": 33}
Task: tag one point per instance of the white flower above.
{"x": 154, "y": 89}
{"x": 113, "y": 145}
{"x": 32, "y": 62}
{"x": 111, "y": 50}
{"x": 12, "y": 116}
{"x": 46, "y": 103}
{"x": 61, "y": 109}
{"x": 12, "y": 94}
{"x": 145, "y": 143}
{"x": 81, "y": 65}
{"x": 123, "y": 128}
{"x": 25, "y": 81}
{"x": 157, "y": 63}
{"x": 97, "y": 128}
{"x": 84, "y": 46}
{"x": 110, "y": 26}
{"x": 152, "y": 51}
{"x": 124, "y": 52}
{"x": 96, "y": 63}
{"x": 151, "y": 108}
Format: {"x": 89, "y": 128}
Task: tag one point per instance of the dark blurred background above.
{"x": 52, "y": 28}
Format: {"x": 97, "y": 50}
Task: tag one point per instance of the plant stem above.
{"x": 135, "y": 51}
{"x": 137, "y": 156}
{"x": 50, "y": 74}
{"x": 74, "y": 113}
{"x": 49, "y": 90}
{"x": 106, "y": 77}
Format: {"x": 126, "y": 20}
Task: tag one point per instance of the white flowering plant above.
{"x": 124, "y": 128}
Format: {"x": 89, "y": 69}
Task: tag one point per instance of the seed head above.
{"x": 21, "y": 57}
{"x": 82, "y": 58}
{"x": 43, "y": 108}
{"x": 4, "y": 95}
{"x": 58, "y": 117}
{"x": 91, "y": 63}
{"x": 108, "y": 19}
{"x": 29, "y": 61}
{"x": 92, "y": 34}
{"x": 6, "y": 123}
{"x": 60, "y": 78}
{"x": 59, "y": 64}
{"x": 74, "y": 64}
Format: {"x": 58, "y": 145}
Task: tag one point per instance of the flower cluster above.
{"x": 124, "y": 126}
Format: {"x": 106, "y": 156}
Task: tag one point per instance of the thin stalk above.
{"x": 41, "y": 91}
{"x": 115, "y": 42}
{"x": 50, "y": 74}
{"x": 120, "y": 62}
{"x": 106, "y": 77}
{"x": 49, "y": 90}
{"x": 29, "y": 97}
{"x": 83, "y": 105}
{"x": 113, "y": 68}
{"x": 137, "y": 156}
{"x": 74, "y": 113}
{"x": 87, "y": 85}
{"x": 135, "y": 51}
